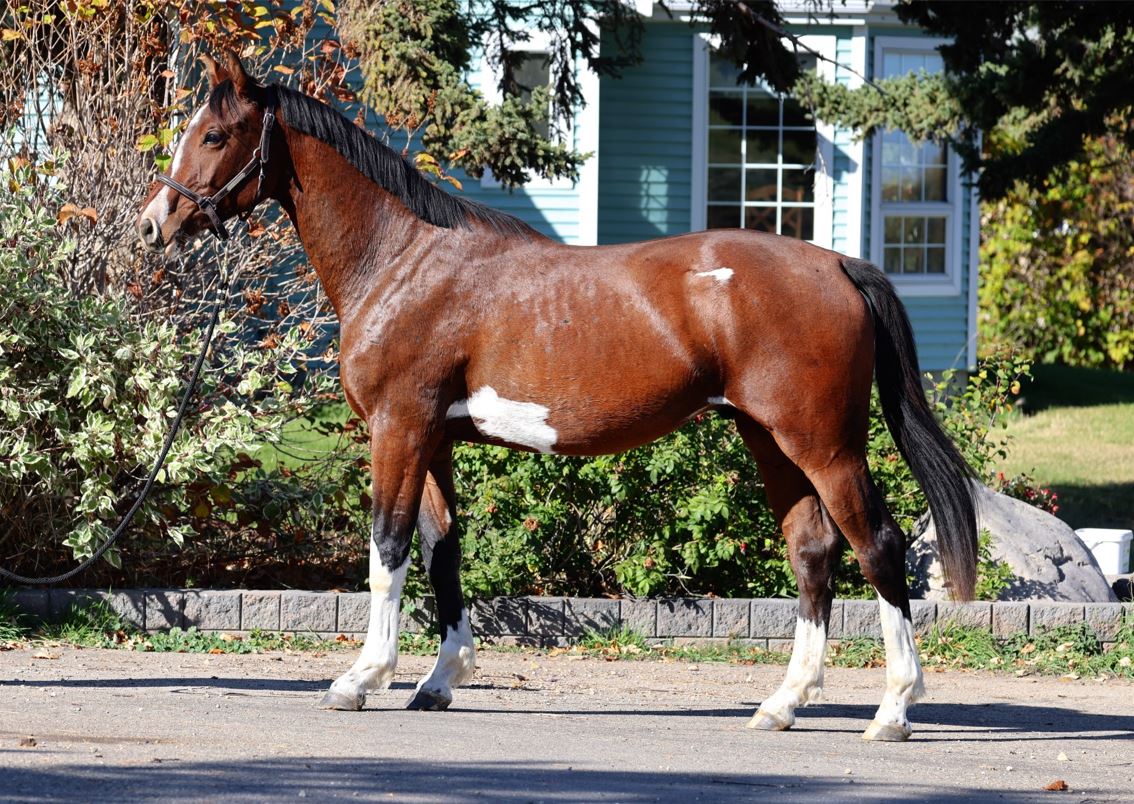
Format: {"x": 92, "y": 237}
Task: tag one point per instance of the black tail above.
{"x": 940, "y": 470}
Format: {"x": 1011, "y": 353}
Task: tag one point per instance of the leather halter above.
{"x": 259, "y": 160}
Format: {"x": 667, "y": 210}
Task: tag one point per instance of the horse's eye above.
{"x": 213, "y": 138}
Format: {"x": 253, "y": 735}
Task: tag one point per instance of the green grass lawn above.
{"x": 1075, "y": 434}
{"x": 307, "y": 439}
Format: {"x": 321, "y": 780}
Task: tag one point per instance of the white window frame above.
{"x": 821, "y": 234}
{"x": 581, "y": 131}
{"x": 949, "y": 283}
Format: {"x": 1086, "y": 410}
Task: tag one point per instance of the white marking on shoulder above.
{"x": 522, "y": 423}
{"x": 721, "y": 274}
{"x": 720, "y": 400}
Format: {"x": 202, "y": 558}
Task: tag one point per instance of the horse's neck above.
{"x": 351, "y": 228}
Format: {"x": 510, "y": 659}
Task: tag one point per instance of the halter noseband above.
{"x": 259, "y": 160}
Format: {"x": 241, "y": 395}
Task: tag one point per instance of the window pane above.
{"x": 529, "y": 71}
{"x": 760, "y": 185}
{"x": 936, "y": 230}
{"x": 725, "y": 109}
{"x": 724, "y": 184}
{"x": 799, "y": 185}
{"x": 723, "y": 217}
{"x": 724, "y": 145}
{"x": 796, "y": 114}
{"x": 891, "y": 151}
{"x": 799, "y": 147}
{"x": 762, "y": 219}
{"x": 911, "y": 185}
{"x": 763, "y": 110}
{"x": 892, "y": 229}
{"x": 892, "y": 260}
{"x": 935, "y": 184}
{"x": 763, "y": 147}
{"x": 913, "y": 230}
{"x": 913, "y": 260}
{"x": 722, "y": 72}
{"x": 933, "y": 153}
{"x": 891, "y": 180}
{"x": 798, "y": 222}
{"x": 935, "y": 260}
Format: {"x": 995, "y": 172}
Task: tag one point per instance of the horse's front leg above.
{"x": 441, "y": 550}
{"x": 398, "y": 466}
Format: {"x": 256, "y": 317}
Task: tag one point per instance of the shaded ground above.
{"x": 109, "y": 725}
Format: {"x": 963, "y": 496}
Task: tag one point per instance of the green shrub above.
{"x": 1057, "y": 264}
{"x": 87, "y": 393}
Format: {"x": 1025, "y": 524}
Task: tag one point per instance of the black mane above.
{"x": 376, "y": 161}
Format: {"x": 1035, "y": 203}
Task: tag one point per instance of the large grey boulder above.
{"x": 1050, "y": 562}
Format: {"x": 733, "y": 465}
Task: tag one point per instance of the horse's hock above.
{"x": 557, "y": 621}
{"x": 1047, "y": 558}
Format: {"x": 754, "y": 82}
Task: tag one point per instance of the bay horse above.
{"x": 459, "y": 322}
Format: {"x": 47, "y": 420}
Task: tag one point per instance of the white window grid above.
{"x": 896, "y": 56}
{"x": 744, "y": 93}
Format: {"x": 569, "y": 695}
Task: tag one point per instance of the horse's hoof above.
{"x": 766, "y": 721}
{"x": 429, "y": 701}
{"x": 343, "y": 703}
{"x": 887, "y": 732}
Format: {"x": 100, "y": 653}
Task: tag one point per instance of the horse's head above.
{"x": 221, "y": 163}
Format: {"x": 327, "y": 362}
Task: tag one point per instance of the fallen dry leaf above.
{"x": 1057, "y": 785}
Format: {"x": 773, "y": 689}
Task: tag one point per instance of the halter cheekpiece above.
{"x": 259, "y": 160}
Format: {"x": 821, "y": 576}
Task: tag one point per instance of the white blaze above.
{"x": 162, "y": 204}
{"x": 522, "y": 423}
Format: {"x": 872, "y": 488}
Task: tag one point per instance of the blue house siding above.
{"x": 843, "y": 164}
{"x": 646, "y": 140}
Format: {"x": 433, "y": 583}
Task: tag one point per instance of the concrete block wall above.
{"x": 551, "y": 621}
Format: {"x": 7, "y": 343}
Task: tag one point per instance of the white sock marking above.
{"x": 803, "y": 683}
{"x": 522, "y": 423}
{"x": 904, "y": 684}
{"x": 721, "y": 274}
{"x": 456, "y": 660}
{"x": 374, "y": 668}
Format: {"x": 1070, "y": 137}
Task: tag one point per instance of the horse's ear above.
{"x": 243, "y": 82}
{"x": 213, "y": 71}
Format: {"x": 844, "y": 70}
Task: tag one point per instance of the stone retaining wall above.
{"x": 557, "y": 620}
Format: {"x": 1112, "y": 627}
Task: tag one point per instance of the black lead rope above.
{"x": 218, "y": 302}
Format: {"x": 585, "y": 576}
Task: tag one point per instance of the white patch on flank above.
{"x": 374, "y": 668}
{"x": 904, "y": 684}
{"x": 720, "y": 400}
{"x": 803, "y": 683}
{"x": 456, "y": 661}
{"x": 161, "y": 206}
{"x": 722, "y": 274}
{"x": 522, "y": 423}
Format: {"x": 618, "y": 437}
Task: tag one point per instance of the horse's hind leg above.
{"x": 857, "y": 507}
{"x": 813, "y": 547}
{"x": 441, "y": 549}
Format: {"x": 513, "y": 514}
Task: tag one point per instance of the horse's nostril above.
{"x": 148, "y": 231}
